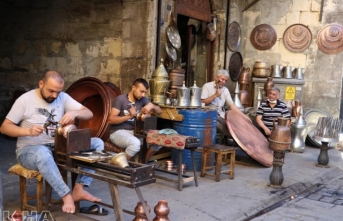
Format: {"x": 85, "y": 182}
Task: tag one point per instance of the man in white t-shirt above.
{"x": 34, "y": 118}
{"x": 214, "y": 93}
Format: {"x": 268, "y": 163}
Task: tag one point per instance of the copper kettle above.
{"x": 280, "y": 138}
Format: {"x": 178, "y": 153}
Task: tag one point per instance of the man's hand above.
{"x": 132, "y": 111}
{"x": 267, "y": 131}
{"x": 147, "y": 108}
{"x": 36, "y": 130}
{"x": 68, "y": 118}
{"x": 218, "y": 92}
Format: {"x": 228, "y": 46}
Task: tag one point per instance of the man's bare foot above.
{"x": 80, "y": 194}
{"x": 68, "y": 204}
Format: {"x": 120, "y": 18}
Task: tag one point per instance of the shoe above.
{"x": 94, "y": 210}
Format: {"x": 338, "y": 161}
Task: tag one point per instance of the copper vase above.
{"x": 268, "y": 85}
{"x": 296, "y": 105}
{"x": 244, "y": 97}
{"x": 161, "y": 210}
{"x": 140, "y": 211}
{"x": 280, "y": 138}
{"x": 244, "y": 76}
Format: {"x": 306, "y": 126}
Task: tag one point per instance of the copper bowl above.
{"x": 261, "y": 64}
{"x": 261, "y": 72}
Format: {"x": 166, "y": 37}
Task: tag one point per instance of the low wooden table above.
{"x": 134, "y": 177}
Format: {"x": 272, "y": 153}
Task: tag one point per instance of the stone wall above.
{"x": 323, "y": 72}
{"x": 110, "y": 40}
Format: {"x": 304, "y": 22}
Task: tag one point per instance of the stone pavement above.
{"x": 228, "y": 200}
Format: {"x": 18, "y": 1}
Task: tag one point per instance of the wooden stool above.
{"x": 219, "y": 151}
{"x": 24, "y": 174}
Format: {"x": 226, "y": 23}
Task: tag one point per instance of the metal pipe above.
{"x": 158, "y": 34}
{"x": 226, "y": 27}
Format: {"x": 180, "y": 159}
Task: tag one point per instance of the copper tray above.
{"x": 263, "y": 37}
{"x": 233, "y": 36}
{"x": 297, "y": 38}
{"x": 235, "y": 65}
{"x": 249, "y": 138}
{"x": 330, "y": 39}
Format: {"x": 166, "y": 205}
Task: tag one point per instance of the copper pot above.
{"x": 161, "y": 210}
{"x": 140, "y": 210}
{"x": 176, "y": 79}
{"x": 261, "y": 72}
{"x": 244, "y": 76}
{"x": 261, "y": 64}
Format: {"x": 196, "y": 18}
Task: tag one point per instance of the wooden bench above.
{"x": 219, "y": 151}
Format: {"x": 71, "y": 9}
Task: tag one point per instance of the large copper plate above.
{"x": 233, "y": 36}
{"x": 235, "y": 65}
{"x": 297, "y": 38}
{"x": 329, "y": 39}
{"x": 263, "y": 37}
{"x": 249, "y": 138}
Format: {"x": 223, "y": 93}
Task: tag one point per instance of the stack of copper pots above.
{"x": 169, "y": 165}
{"x": 243, "y": 81}
{"x": 176, "y": 77}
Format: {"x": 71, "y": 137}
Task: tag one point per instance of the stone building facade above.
{"x": 118, "y": 41}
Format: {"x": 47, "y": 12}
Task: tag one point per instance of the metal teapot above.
{"x": 183, "y": 96}
{"x": 276, "y": 70}
{"x": 287, "y": 71}
{"x": 298, "y": 73}
{"x": 195, "y": 96}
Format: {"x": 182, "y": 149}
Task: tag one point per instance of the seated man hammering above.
{"x": 269, "y": 110}
{"x": 125, "y": 107}
{"x": 45, "y": 105}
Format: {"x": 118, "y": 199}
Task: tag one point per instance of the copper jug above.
{"x": 244, "y": 76}
{"x": 280, "y": 138}
{"x": 268, "y": 85}
{"x": 244, "y": 97}
{"x": 296, "y": 105}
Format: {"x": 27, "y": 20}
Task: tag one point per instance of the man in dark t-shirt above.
{"x": 125, "y": 107}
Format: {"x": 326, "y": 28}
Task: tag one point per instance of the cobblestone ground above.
{"x": 324, "y": 203}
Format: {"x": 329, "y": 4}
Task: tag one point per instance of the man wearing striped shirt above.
{"x": 269, "y": 110}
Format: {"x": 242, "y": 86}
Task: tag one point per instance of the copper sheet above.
{"x": 297, "y": 38}
{"x": 235, "y": 65}
{"x": 249, "y": 138}
{"x": 329, "y": 39}
{"x": 263, "y": 37}
{"x": 233, "y": 36}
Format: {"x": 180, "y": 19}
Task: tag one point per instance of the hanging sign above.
{"x": 290, "y": 93}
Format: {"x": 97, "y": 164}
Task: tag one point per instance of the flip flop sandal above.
{"x": 94, "y": 210}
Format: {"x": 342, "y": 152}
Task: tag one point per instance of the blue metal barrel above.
{"x": 201, "y": 123}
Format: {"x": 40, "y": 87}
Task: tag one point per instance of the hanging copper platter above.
{"x": 330, "y": 40}
{"x": 297, "y": 38}
{"x": 235, "y": 65}
{"x": 233, "y": 36}
{"x": 263, "y": 37}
